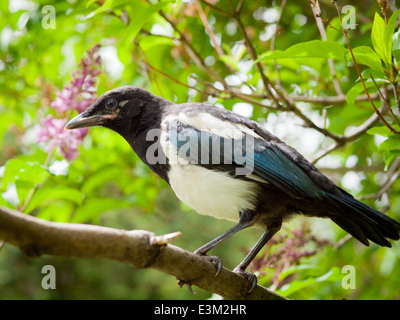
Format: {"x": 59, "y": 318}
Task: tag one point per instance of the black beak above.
{"x": 83, "y": 121}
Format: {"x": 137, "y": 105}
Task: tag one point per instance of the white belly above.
{"x": 212, "y": 193}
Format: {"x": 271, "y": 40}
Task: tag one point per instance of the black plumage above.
{"x": 280, "y": 184}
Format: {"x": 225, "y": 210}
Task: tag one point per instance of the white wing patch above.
{"x": 212, "y": 193}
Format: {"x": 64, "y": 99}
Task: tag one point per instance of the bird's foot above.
{"x": 248, "y": 276}
{"x": 214, "y": 260}
{"x": 182, "y": 283}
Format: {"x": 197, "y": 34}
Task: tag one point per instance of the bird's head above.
{"x": 117, "y": 109}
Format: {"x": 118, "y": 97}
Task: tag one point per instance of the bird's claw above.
{"x": 181, "y": 283}
{"x": 217, "y": 262}
{"x": 248, "y": 276}
{"x": 214, "y": 260}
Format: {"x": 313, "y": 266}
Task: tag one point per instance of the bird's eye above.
{"x": 111, "y": 104}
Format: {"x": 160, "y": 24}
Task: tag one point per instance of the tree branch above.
{"x": 363, "y": 128}
{"x": 332, "y": 100}
{"x": 137, "y": 248}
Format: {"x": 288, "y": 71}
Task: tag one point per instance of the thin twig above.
{"x": 211, "y": 34}
{"x": 272, "y": 45}
{"x": 225, "y": 13}
{"x": 253, "y": 56}
{"x": 358, "y": 168}
{"x": 332, "y": 100}
{"x": 325, "y": 152}
{"x": 153, "y": 76}
{"x": 239, "y": 7}
{"x": 389, "y": 184}
{"x": 179, "y": 82}
{"x": 368, "y": 124}
{"x": 192, "y": 52}
{"x": 235, "y": 93}
{"x": 385, "y": 100}
{"x": 316, "y": 9}
{"x": 342, "y": 241}
{"x": 209, "y": 30}
{"x": 396, "y": 96}
{"x": 391, "y": 176}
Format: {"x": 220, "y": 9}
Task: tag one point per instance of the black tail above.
{"x": 363, "y": 222}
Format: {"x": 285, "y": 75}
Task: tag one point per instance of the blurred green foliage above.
{"x": 108, "y": 185}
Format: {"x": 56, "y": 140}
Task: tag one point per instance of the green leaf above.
{"x": 353, "y": 93}
{"x": 21, "y": 176}
{"x": 382, "y": 131}
{"x": 46, "y": 196}
{"x": 139, "y": 14}
{"x": 391, "y": 143}
{"x": 332, "y": 275}
{"x": 390, "y": 156}
{"x": 107, "y": 5}
{"x": 60, "y": 211}
{"x": 396, "y": 44}
{"x": 295, "y": 286}
{"x": 150, "y": 42}
{"x": 396, "y": 55}
{"x": 90, "y": 2}
{"x": 310, "y": 49}
{"x": 294, "y": 269}
{"x": 381, "y": 36}
{"x": 378, "y": 76}
{"x": 393, "y": 43}
{"x": 392, "y": 25}
{"x": 230, "y": 61}
{"x": 100, "y": 177}
{"x": 378, "y": 38}
{"x": 91, "y": 210}
{"x": 25, "y": 173}
{"x": 358, "y": 88}
{"x": 365, "y": 55}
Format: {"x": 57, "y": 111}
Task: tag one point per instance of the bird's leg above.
{"x": 240, "y": 269}
{"x": 208, "y": 246}
{"x": 246, "y": 220}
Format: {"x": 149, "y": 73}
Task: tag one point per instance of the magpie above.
{"x": 229, "y": 167}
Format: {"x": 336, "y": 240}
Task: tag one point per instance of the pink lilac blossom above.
{"x": 79, "y": 95}
{"x": 53, "y": 132}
